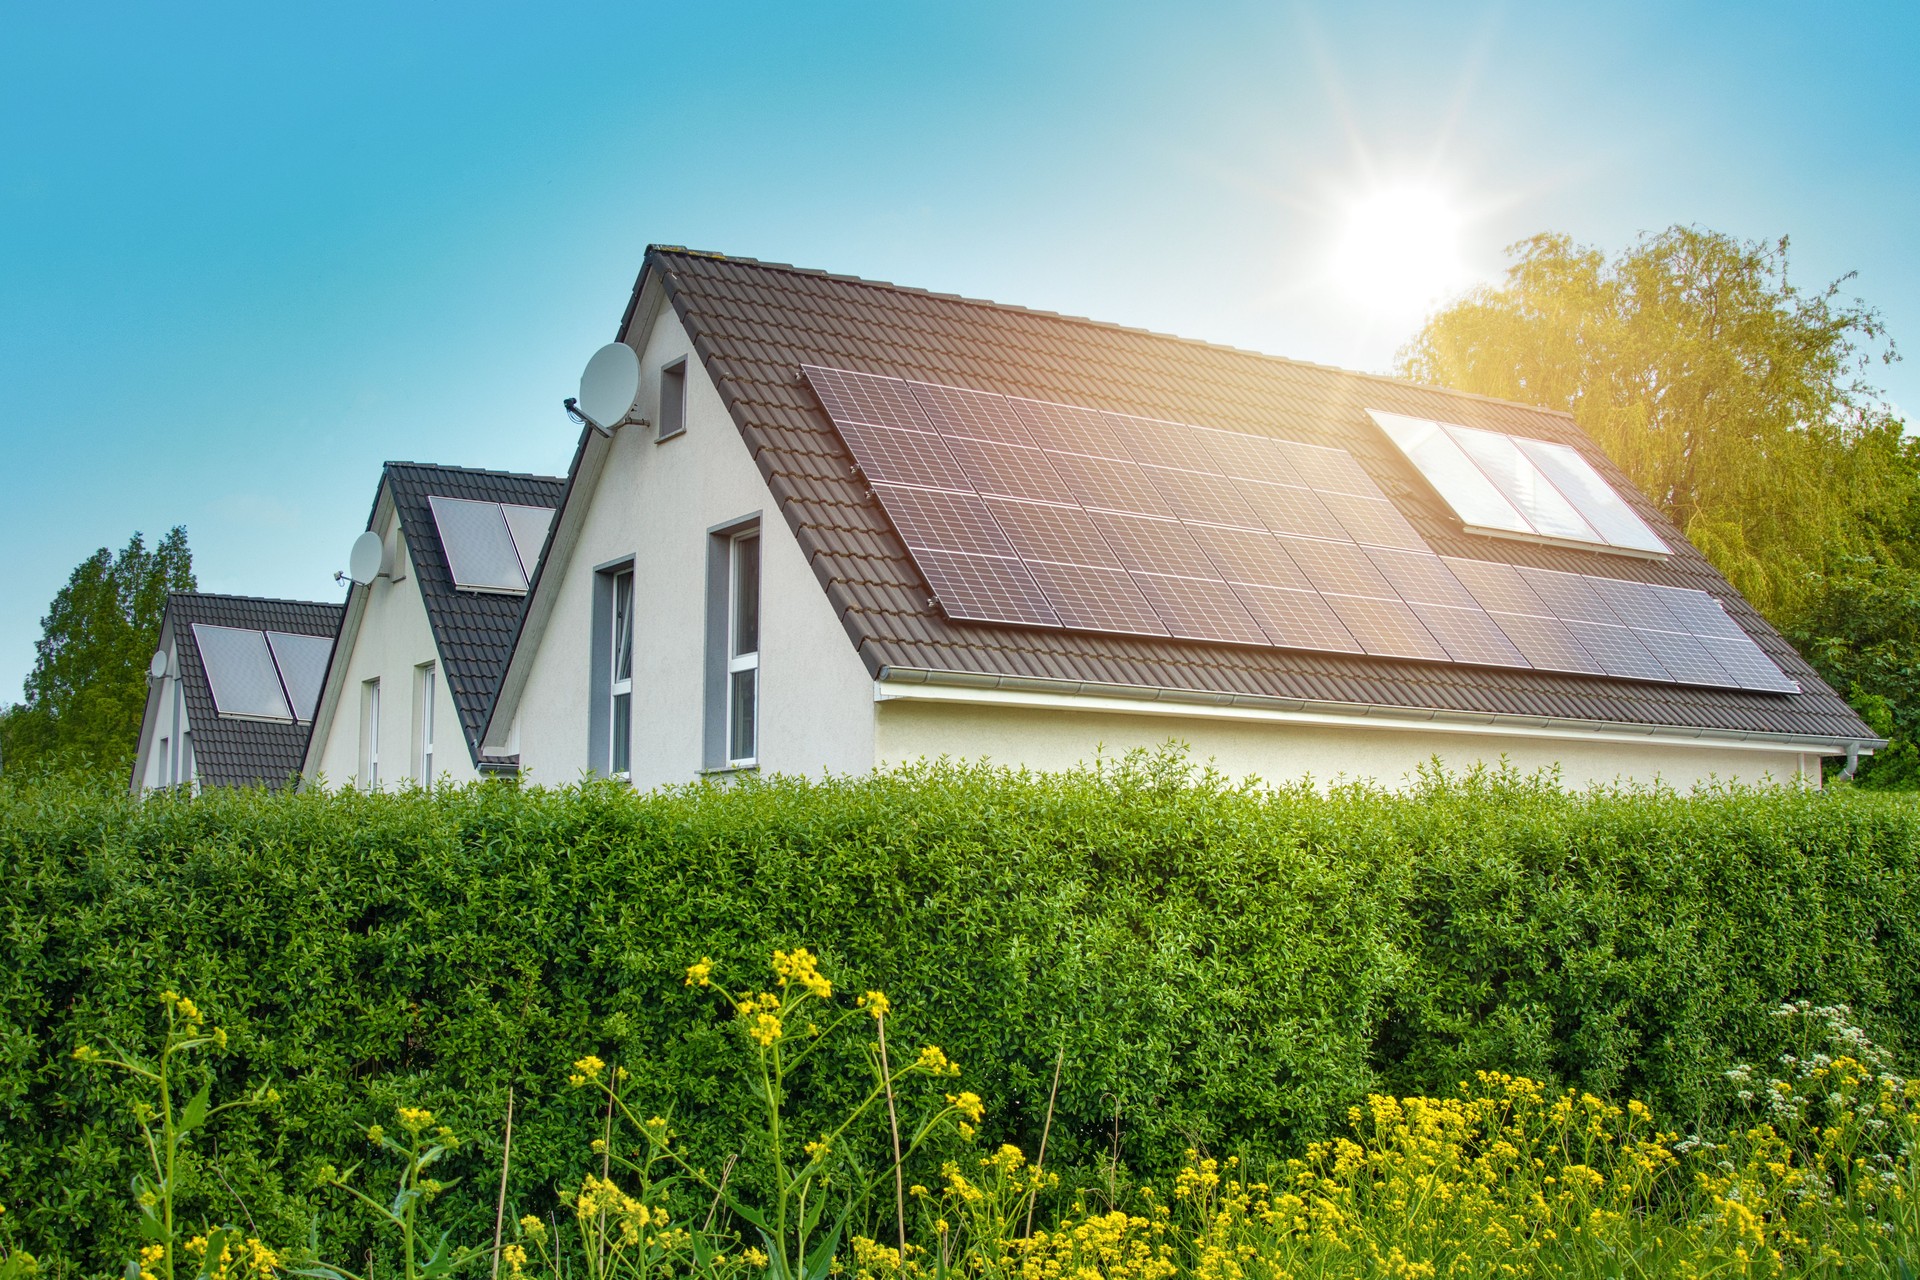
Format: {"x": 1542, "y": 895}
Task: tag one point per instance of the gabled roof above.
{"x": 473, "y": 631}
{"x": 754, "y": 324}
{"x": 229, "y": 752}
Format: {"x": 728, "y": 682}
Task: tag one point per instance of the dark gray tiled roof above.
{"x": 240, "y": 753}
{"x": 473, "y": 631}
{"x": 753, "y": 325}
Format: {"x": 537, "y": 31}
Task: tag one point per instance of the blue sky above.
{"x": 246, "y": 253}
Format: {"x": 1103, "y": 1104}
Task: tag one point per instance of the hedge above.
{"x": 1223, "y": 966}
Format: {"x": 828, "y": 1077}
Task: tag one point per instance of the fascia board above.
{"x": 331, "y": 689}
{"x": 563, "y": 538}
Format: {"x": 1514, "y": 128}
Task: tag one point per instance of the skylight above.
{"x": 1512, "y": 486}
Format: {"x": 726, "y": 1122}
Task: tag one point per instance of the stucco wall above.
{"x": 1045, "y": 738}
{"x": 394, "y": 638}
{"x": 656, "y": 501}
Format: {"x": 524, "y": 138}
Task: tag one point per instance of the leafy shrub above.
{"x": 1219, "y": 965}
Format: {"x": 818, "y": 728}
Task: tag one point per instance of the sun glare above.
{"x": 1398, "y": 249}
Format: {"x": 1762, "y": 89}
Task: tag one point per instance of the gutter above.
{"x": 979, "y": 688}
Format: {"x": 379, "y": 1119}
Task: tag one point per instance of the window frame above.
{"x": 742, "y": 661}
{"x": 426, "y": 695}
{"x": 370, "y": 733}
{"x": 620, "y": 686}
{"x": 670, "y": 422}
{"x": 723, "y": 543}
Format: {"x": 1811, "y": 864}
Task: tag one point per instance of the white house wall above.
{"x": 162, "y": 739}
{"x": 1052, "y": 738}
{"x": 394, "y": 638}
{"x": 656, "y": 502}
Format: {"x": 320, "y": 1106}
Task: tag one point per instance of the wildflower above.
{"x": 414, "y": 1119}
{"x": 935, "y": 1063}
{"x": 754, "y": 1257}
{"x": 598, "y": 1146}
{"x": 86, "y": 1053}
{"x": 589, "y": 1066}
{"x": 534, "y": 1229}
{"x": 875, "y": 1003}
{"x": 700, "y": 974}
{"x": 817, "y": 1150}
{"x": 515, "y": 1257}
{"x": 802, "y": 967}
{"x": 765, "y": 1029}
{"x": 375, "y": 1133}
{"x": 967, "y": 1104}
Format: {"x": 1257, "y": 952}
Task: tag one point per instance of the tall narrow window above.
{"x": 673, "y": 399}
{"x": 743, "y": 652}
{"x": 370, "y": 734}
{"x": 423, "y": 705}
{"x": 620, "y": 677}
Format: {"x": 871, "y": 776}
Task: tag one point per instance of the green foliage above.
{"x": 1862, "y": 633}
{"x": 1220, "y": 965}
{"x": 88, "y": 688}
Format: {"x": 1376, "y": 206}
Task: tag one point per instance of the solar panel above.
{"x": 1522, "y": 484}
{"x": 1373, "y": 521}
{"x": 1386, "y": 628}
{"x": 1594, "y": 498}
{"x": 985, "y": 588}
{"x": 1096, "y": 599}
{"x": 529, "y": 526}
{"x": 1027, "y": 512}
{"x": 1155, "y": 546}
{"x": 240, "y": 673}
{"x": 1499, "y": 483}
{"x": 1009, "y": 470}
{"x": 479, "y": 549}
{"x": 1207, "y": 499}
{"x": 1199, "y": 609}
{"x": 1069, "y": 429}
{"x": 1245, "y": 555}
{"x": 936, "y": 520}
{"x": 1469, "y": 635}
{"x": 1297, "y": 619}
{"x": 302, "y": 661}
{"x": 978, "y": 414}
{"x": 1112, "y": 483}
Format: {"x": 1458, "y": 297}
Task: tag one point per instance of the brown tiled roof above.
{"x": 754, "y": 324}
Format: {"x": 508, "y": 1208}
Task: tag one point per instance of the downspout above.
{"x": 1853, "y": 761}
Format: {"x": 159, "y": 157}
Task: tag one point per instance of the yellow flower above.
{"x": 968, "y": 1105}
{"x": 589, "y": 1066}
{"x": 516, "y": 1258}
{"x": 966, "y": 1132}
{"x": 801, "y": 967}
{"x": 876, "y": 1003}
{"x": 534, "y": 1228}
{"x": 754, "y": 1257}
{"x": 86, "y": 1053}
{"x": 414, "y": 1119}
{"x": 817, "y": 1150}
{"x": 765, "y": 1029}
{"x": 375, "y": 1133}
{"x": 700, "y": 974}
{"x": 935, "y": 1063}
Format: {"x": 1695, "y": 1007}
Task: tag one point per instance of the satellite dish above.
{"x": 368, "y": 559}
{"x": 157, "y": 668}
{"x": 610, "y": 385}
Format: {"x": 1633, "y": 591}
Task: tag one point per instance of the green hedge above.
{"x": 1223, "y": 966}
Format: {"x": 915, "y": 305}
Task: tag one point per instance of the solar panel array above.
{"x": 490, "y": 546}
{"x": 263, "y": 675}
{"x": 1038, "y": 514}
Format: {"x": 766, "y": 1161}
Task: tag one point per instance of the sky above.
{"x": 249, "y": 252}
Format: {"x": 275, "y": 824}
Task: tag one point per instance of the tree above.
{"x": 88, "y": 688}
{"x": 1742, "y": 405}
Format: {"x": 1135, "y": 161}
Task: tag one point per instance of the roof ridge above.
{"x": 1134, "y": 330}
{"x": 231, "y": 595}
{"x": 470, "y": 471}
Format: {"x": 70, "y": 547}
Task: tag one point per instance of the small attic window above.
{"x": 673, "y": 399}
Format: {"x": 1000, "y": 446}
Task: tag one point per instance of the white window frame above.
{"x": 671, "y": 420}
{"x": 426, "y": 689}
{"x": 741, "y": 661}
{"x": 619, "y": 685}
{"x": 370, "y": 733}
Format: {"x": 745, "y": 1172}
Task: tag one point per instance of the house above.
{"x": 848, "y": 524}
{"x": 425, "y": 638}
{"x": 231, "y": 691}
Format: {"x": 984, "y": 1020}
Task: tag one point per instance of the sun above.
{"x": 1398, "y": 248}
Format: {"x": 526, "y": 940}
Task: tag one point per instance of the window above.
{"x": 743, "y": 652}
{"x": 620, "y": 677}
{"x": 370, "y": 734}
{"x": 673, "y": 399}
{"x": 423, "y": 705}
